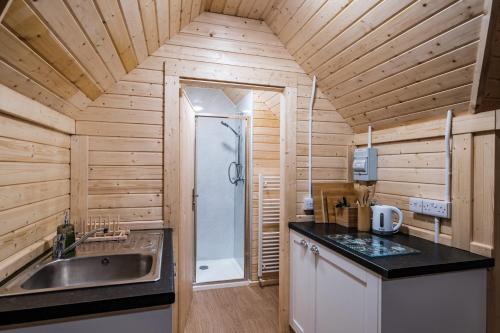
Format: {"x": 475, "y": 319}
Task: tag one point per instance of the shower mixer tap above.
{"x": 237, "y": 164}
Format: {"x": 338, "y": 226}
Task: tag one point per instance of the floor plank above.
{"x": 228, "y": 310}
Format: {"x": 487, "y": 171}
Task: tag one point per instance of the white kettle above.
{"x": 382, "y": 220}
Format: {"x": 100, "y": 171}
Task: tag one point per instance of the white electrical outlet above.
{"x": 416, "y": 205}
{"x": 436, "y": 208}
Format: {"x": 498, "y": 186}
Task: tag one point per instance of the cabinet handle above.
{"x": 314, "y": 249}
{"x": 304, "y": 243}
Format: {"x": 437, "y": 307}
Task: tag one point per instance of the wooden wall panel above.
{"x": 331, "y": 141}
{"x": 411, "y": 164}
{"x": 34, "y": 178}
{"x": 266, "y": 159}
{"x": 79, "y": 178}
{"x": 125, "y": 152}
{"x": 130, "y": 109}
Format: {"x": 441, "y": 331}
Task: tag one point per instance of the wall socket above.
{"x": 438, "y": 208}
{"x": 416, "y": 205}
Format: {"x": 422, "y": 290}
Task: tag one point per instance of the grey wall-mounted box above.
{"x": 364, "y": 164}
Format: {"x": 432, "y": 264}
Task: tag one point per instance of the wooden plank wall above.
{"x": 266, "y": 157}
{"x": 34, "y": 177}
{"x": 125, "y": 124}
{"x": 332, "y": 140}
{"x": 125, "y": 164}
{"x": 411, "y": 164}
{"x": 65, "y": 54}
{"x": 385, "y": 62}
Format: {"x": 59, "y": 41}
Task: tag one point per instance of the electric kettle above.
{"x": 382, "y": 219}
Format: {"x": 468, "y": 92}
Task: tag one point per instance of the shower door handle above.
{"x": 194, "y": 198}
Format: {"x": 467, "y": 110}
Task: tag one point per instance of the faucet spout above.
{"x": 59, "y": 249}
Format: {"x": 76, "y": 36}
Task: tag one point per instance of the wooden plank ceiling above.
{"x": 490, "y": 100}
{"x": 385, "y": 62}
{"x": 254, "y": 9}
{"x": 380, "y": 62}
{"x": 66, "y": 53}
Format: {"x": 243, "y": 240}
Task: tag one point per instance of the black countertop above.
{"x": 433, "y": 258}
{"x": 76, "y": 302}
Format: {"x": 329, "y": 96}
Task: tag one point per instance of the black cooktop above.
{"x": 371, "y": 245}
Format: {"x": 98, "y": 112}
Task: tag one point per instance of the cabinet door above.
{"x": 346, "y": 296}
{"x": 301, "y": 284}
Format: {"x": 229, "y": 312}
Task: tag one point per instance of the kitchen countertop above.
{"x": 433, "y": 258}
{"x": 86, "y": 301}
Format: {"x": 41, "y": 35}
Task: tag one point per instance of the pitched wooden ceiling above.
{"x": 385, "y": 62}
{"x": 254, "y": 9}
{"x": 380, "y": 62}
{"x": 66, "y": 53}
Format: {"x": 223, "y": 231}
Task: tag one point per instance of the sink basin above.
{"x": 137, "y": 259}
{"x": 99, "y": 269}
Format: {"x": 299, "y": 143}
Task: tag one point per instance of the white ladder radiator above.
{"x": 269, "y": 219}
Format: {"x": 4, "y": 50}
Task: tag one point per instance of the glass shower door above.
{"x": 220, "y": 205}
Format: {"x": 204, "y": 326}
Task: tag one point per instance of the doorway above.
{"x": 175, "y": 200}
{"x": 220, "y": 186}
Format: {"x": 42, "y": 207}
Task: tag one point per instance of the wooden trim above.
{"x": 171, "y": 171}
{"x": 185, "y": 226}
{"x": 171, "y": 141}
{"x": 288, "y": 193}
{"x": 4, "y": 8}
{"x": 224, "y": 84}
{"x": 493, "y": 291}
{"x": 469, "y": 123}
{"x": 349, "y": 158}
{"x": 462, "y": 180}
{"x": 481, "y": 67}
{"x": 24, "y": 256}
{"x": 79, "y": 177}
{"x": 20, "y": 106}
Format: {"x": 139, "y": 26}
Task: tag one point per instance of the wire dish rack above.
{"x": 112, "y": 223}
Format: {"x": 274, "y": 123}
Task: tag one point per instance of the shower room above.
{"x": 230, "y": 157}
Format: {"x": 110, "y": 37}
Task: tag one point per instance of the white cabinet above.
{"x": 332, "y": 294}
{"x": 344, "y": 294}
{"x": 328, "y": 294}
{"x": 302, "y": 274}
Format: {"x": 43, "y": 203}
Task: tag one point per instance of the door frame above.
{"x": 288, "y": 195}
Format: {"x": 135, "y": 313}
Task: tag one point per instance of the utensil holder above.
{"x": 364, "y": 222}
{"x": 346, "y": 216}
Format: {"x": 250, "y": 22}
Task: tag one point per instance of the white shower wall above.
{"x": 215, "y": 211}
{"x": 220, "y": 209}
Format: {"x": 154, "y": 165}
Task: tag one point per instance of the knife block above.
{"x": 347, "y": 217}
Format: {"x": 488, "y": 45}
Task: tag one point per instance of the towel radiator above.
{"x": 269, "y": 219}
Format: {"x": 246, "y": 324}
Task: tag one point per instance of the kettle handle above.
{"x": 400, "y": 221}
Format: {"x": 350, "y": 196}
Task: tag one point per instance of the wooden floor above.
{"x": 242, "y": 309}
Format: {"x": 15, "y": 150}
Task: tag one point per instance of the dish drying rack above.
{"x": 94, "y": 222}
{"x": 269, "y": 219}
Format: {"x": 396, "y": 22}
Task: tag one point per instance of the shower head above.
{"x": 228, "y": 126}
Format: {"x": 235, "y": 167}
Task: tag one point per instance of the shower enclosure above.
{"x": 220, "y": 187}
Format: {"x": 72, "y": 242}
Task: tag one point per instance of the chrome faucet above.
{"x": 59, "y": 249}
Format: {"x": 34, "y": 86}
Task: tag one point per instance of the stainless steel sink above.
{"x": 138, "y": 259}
